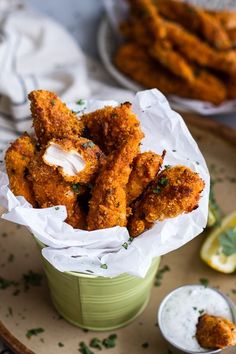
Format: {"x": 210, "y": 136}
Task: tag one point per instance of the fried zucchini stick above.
{"x": 196, "y": 20}
{"x": 175, "y": 191}
{"x": 132, "y": 60}
{"x": 107, "y": 207}
{"x": 109, "y": 127}
{"x": 51, "y": 117}
{"x": 144, "y": 169}
{"x": 17, "y": 158}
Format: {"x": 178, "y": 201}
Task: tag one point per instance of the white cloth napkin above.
{"x": 38, "y": 53}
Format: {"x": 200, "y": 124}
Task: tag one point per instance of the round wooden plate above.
{"x": 23, "y": 309}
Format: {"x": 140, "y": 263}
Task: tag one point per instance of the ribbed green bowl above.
{"x": 98, "y": 303}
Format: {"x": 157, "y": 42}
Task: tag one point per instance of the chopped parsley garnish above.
{"x": 114, "y": 115}
{"x": 201, "y": 312}
{"x": 76, "y": 187}
{"x": 110, "y": 342}
{"x": 96, "y": 343}
{"x": 10, "y": 311}
{"x": 233, "y": 291}
{"x": 167, "y": 167}
{"x": 174, "y": 150}
{"x": 157, "y": 190}
{"x": 125, "y": 245}
{"x": 228, "y": 241}
{"x": 160, "y": 273}
{"x": 57, "y": 208}
{"x": 34, "y": 332}
{"x": 53, "y": 102}
{"x": 195, "y": 308}
{"x": 60, "y": 344}
{"x": 80, "y": 102}
{"x": 84, "y": 349}
{"x": 163, "y": 182}
{"x": 214, "y": 207}
{"x": 88, "y": 144}
{"x": 16, "y": 292}
{"x": 103, "y": 266}
{"x": 5, "y": 283}
{"x": 204, "y": 282}
{"x": 32, "y": 279}
{"x": 10, "y": 258}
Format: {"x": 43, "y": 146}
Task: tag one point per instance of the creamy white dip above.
{"x": 70, "y": 161}
{"x": 180, "y": 312}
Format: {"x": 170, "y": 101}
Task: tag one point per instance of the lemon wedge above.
{"x": 212, "y": 251}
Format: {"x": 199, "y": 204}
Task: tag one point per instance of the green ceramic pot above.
{"x": 99, "y": 303}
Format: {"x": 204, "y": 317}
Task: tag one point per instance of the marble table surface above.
{"x": 82, "y": 18}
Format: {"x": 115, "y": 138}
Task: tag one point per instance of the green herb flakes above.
{"x": 10, "y": 258}
{"x": 204, "y": 282}
{"x": 60, "y": 344}
{"x": 96, "y": 343}
{"x": 103, "y": 266}
{"x": 76, "y": 187}
{"x": 201, "y": 312}
{"x": 233, "y": 291}
{"x": 125, "y": 245}
{"x": 10, "y": 311}
{"x": 167, "y": 167}
{"x": 110, "y": 342}
{"x": 4, "y": 283}
{"x": 88, "y": 144}
{"x": 80, "y": 102}
{"x": 53, "y": 102}
{"x": 34, "y": 332}
{"x": 160, "y": 273}
{"x": 228, "y": 241}
{"x": 84, "y": 349}
{"x": 163, "y": 182}
{"x": 32, "y": 279}
{"x": 157, "y": 190}
{"x": 57, "y": 208}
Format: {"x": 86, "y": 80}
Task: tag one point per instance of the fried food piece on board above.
{"x": 50, "y": 189}
{"x": 107, "y": 207}
{"x": 77, "y": 160}
{"x": 17, "y": 158}
{"x": 109, "y": 127}
{"x": 51, "y": 117}
{"x": 132, "y": 60}
{"x": 175, "y": 191}
{"x": 144, "y": 169}
{"x": 196, "y": 20}
{"x": 215, "y": 332}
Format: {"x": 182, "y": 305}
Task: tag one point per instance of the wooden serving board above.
{"x": 23, "y": 309}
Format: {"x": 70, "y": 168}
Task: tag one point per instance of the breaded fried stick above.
{"x": 227, "y": 18}
{"x": 51, "y": 117}
{"x": 107, "y": 207}
{"x": 215, "y": 332}
{"x": 17, "y": 158}
{"x": 155, "y": 30}
{"x": 175, "y": 191}
{"x": 144, "y": 169}
{"x": 77, "y": 160}
{"x": 132, "y": 60}
{"x": 196, "y": 20}
{"x": 51, "y": 189}
{"x": 109, "y": 127}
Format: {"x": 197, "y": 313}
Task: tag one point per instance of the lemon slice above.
{"x": 212, "y": 252}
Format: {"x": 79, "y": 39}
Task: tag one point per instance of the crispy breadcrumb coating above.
{"x": 51, "y": 117}
{"x": 175, "y": 191}
{"x": 215, "y": 332}
{"x": 144, "y": 169}
{"x": 135, "y": 62}
{"x": 109, "y": 127}
{"x": 50, "y": 189}
{"x": 90, "y": 153}
{"x": 17, "y": 159}
{"x": 196, "y": 20}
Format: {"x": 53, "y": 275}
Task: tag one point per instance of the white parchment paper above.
{"x": 102, "y": 252}
{"x": 116, "y": 12}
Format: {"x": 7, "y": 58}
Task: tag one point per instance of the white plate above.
{"x": 108, "y": 42}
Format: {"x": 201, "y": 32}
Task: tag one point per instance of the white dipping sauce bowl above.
{"x": 176, "y": 348}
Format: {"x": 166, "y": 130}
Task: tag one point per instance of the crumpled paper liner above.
{"x": 102, "y": 252}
